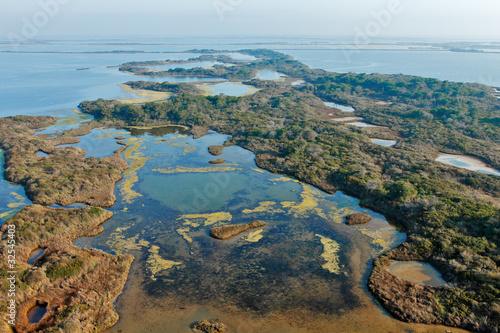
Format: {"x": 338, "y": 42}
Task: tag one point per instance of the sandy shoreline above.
{"x": 148, "y": 95}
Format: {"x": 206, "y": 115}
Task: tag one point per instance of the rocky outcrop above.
{"x": 357, "y": 219}
{"x": 229, "y": 231}
{"x": 217, "y": 161}
{"x": 210, "y": 326}
{"x": 215, "y": 150}
{"x": 199, "y": 131}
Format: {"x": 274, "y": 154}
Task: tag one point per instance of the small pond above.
{"x": 418, "y": 272}
{"x": 36, "y": 313}
{"x": 467, "y": 162}
{"x": 385, "y": 143}
{"x": 269, "y": 75}
{"x": 345, "y": 108}
{"x": 362, "y": 124}
{"x": 35, "y": 255}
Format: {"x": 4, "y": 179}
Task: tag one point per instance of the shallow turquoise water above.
{"x": 230, "y": 89}
{"x": 467, "y": 162}
{"x": 99, "y": 143}
{"x": 177, "y": 197}
{"x": 269, "y": 75}
{"x": 384, "y": 143}
{"x": 12, "y": 197}
{"x": 344, "y": 108}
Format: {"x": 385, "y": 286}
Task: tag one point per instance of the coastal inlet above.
{"x": 171, "y": 197}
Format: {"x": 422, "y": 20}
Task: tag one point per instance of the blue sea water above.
{"x": 43, "y": 78}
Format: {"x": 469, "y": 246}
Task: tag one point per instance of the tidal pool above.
{"x": 467, "y": 162}
{"x": 35, "y": 254}
{"x": 345, "y": 108}
{"x": 36, "y": 313}
{"x": 269, "y": 75}
{"x": 66, "y": 120}
{"x": 99, "y": 143}
{"x": 418, "y": 272}
{"x": 228, "y": 88}
{"x": 41, "y": 154}
{"x": 305, "y": 271}
{"x": 384, "y": 143}
{"x": 12, "y": 196}
{"x": 304, "y": 268}
{"x": 298, "y": 82}
{"x": 362, "y": 124}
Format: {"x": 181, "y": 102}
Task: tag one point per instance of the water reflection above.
{"x": 36, "y": 313}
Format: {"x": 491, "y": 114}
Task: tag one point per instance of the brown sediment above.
{"x": 229, "y": 231}
{"x": 120, "y": 137}
{"x": 147, "y": 95}
{"x": 217, "y": 161}
{"x": 215, "y": 150}
{"x": 144, "y": 311}
{"x": 409, "y": 301}
{"x": 357, "y": 219}
{"x": 78, "y": 285}
{"x": 63, "y": 177}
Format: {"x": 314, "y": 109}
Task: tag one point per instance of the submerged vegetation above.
{"x": 452, "y": 215}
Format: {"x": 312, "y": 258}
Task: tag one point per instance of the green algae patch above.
{"x": 283, "y": 179}
{"x": 73, "y": 119}
{"x": 264, "y": 207}
{"x": 209, "y": 219}
{"x": 108, "y": 135}
{"x": 136, "y": 160}
{"x": 337, "y": 215}
{"x": 173, "y": 142}
{"x": 258, "y": 170}
{"x": 330, "y": 250}
{"x": 157, "y": 264}
{"x": 309, "y": 204}
{"x": 184, "y": 232}
{"x": 382, "y": 239}
{"x": 254, "y": 236}
{"x": 180, "y": 169}
{"x": 20, "y": 202}
{"x": 120, "y": 244}
{"x": 147, "y": 95}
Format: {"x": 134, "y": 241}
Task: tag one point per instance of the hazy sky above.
{"x": 160, "y": 18}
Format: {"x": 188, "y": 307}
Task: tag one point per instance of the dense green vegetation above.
{"x": 452, "y": 215}
{"x": 239, "y": 70}
{"x": 177, "y": 88}
{"x": 64, "y": 176}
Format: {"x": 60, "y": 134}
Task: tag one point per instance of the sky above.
{"x": 457, "y": 19}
